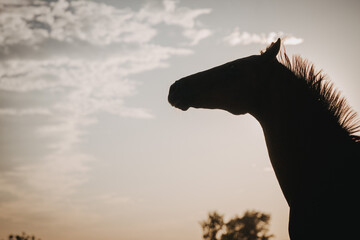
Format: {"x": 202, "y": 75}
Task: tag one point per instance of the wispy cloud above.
{"x": 80, "y": 86}
{"x": 182, "y": 17}
{"x": 237, "y": 37}
{"x": 24, "y": 112}
{"x": 169, "y": 13}
{"x": 95, "y": 23}
{"x": 98, "y": 24}
{"x": 196, "y": 35}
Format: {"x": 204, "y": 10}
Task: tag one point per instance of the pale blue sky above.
{"x": 90, "y": 147}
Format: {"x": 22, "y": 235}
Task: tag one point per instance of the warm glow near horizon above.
{"x": 90, "y": 147}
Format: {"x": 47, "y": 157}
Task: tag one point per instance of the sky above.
{"x": 91, "y": 149}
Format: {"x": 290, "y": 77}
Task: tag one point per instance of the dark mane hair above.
{"x": 325, "y": 92}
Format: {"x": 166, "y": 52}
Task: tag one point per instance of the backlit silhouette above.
{"x": 310, "y": 133}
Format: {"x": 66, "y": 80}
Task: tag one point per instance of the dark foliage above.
{"x": 252, "y": 225}
{"x": 23, "y": 236}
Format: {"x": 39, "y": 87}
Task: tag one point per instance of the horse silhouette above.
{"x": 310, "y": 133}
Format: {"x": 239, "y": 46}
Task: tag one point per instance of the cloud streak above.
{"x": 81, "y": 87}
{"x": 237, "y": 37}
{"x": 182, "y": 17}
{"x": 24, "y": 112}
{"x": 95, "y": 23}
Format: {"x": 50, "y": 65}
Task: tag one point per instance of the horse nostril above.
{"x": 172, "y": 91}
{"x": 174, "y": 87}
{"x": 179, "y": 96}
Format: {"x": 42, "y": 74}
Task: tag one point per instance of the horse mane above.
{"x": 324, "y": 91}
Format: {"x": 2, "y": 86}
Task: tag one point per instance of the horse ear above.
{"x": 273, "y": 50}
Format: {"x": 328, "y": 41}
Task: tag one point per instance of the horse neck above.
{"x": 304, "y": 145}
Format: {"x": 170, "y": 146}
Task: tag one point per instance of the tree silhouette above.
{"x": 252, "y": 226}
{"x": 24, "y": 236}
{"x": 212, "y": 226}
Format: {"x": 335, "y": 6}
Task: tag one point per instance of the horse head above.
{"x": 234, "y": 86}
